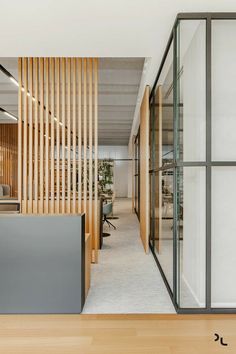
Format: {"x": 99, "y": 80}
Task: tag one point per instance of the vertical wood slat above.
{"x": 95, "y": 215}
{"x": 52, "y": 107}
{"x": 41, "y": 135}
{"x": 52, "y": 89}
{"x": 30, "y": 165}
{"x": 74, "y": 133}
{"x": 20, "y": 130}
{"x": 36, "y": 133}
{"x": 25, "y": 138}
{"x": 79, "y": 62}
{"x": 85, "y": 135}
{"x": 58, "y": 134}
{"x": 63, "y": 97}
{"x": 46, "y": 135}
{"x": 90, "y": 129}
{"x": 68, "y": 134}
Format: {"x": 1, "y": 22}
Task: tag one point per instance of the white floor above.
{"x": 126, "y": 280}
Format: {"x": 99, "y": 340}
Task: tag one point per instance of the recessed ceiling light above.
{"x": 10, "y": 115}
{"x": 14, "y": 81}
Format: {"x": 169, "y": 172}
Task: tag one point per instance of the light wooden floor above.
{"x": 116, "y": 334}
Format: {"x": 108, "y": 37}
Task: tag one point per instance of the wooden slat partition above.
{"x": 85, "y": 136}
{"x": 20, "y": 69}
{"x": 74, "y": 133}
{"x": 79, "y": 63}
{"x": 90, "y": 129}
{"x": 58, "y": 117}
{"x": 68, "y": 147}
{"x": 63, "y": 115}
{"x": 41, "y": 136}
{"x": 52, "y": 131}
{"x": 30, "y": 163}
{"x": 25, "y": 132}
{"x": 144, "y": 169}
{"x": 46, "y": 136}
{"x": 36, "y": 133}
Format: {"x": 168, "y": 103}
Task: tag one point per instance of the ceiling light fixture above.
{"x": 14, "y": 81}
{"x": 10, "y": 115}
{"x": 11, "y": 77}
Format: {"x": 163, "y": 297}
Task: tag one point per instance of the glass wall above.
{"x": 223, "y": 152}
{"x": 193, "y": 163}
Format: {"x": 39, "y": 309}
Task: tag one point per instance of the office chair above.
{"x": 106, "y": 210}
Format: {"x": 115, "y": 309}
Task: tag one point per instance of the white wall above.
{"x": 122, "y": 170}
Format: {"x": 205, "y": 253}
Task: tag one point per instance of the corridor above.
{"x": 126, "y": 280}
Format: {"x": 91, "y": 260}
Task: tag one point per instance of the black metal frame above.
{"x": 208, "y": 17}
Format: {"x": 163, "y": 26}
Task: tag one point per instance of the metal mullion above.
{"x": 223, "y": 16}
{"x": 162, "y": 64}
{"x": 208, "y": 160}
{"x": 191, "y": 163}
{"x": 223, "y": 163}
{"x": 175, "y": 157}
{"x": 165, "y": 280}
{"x": 164, "y": 168}
{"x": 207, "y": 15}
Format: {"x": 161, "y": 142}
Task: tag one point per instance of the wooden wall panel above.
{"x": 9, "y": 157}
{"x": 25, "y": 133}
{"x": 144, "y": 170}
{"x": 52, "y": 134}
{"x": 96, "y": 209}
{"x": 20, "y": 69}
{"x": 79, "y": 64}
{"x": 58, "y": 117}
{"x": 36, "y": 133}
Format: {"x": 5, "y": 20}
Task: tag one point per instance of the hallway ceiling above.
{"x": 119, "y": 80}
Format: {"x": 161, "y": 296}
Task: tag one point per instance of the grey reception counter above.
{"x": 42, "y": 263}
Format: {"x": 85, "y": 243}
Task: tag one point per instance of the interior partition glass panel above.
{"x": 191, "y": 93}
{"x": 223, "y": 177}
{"x": 165, "y": 243}
{"x": 191, "y": 231}
{"x": 194, "y": 170}
{"x": 223, "y": 236}
{"x": 162, "y": 140}
{"x": 223, "y": 90}
{"x": 164, "y": 109}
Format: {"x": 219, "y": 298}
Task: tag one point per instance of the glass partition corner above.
{"x": 193, "y": 163}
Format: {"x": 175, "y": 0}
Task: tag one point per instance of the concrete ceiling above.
{"x": 119, "y": 80}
